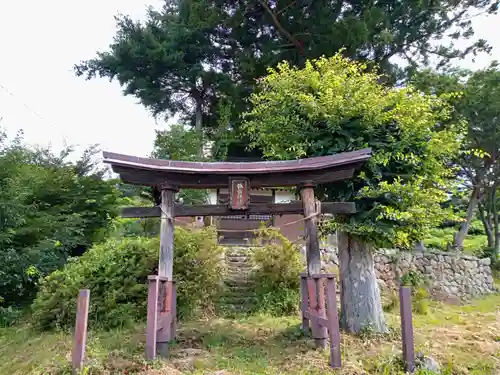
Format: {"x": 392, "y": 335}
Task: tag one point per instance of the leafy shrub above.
{"x": 476, "y": 228}
{"x": 440, "y": 238}
{"x": 9, "y": 316}
{"x": 50, "y": 209}
{"x": 420, "y": 294}
{"x": 116, "y": 274}
{"x": 278, "y": 265}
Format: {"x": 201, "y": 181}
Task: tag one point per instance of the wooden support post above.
{"x": 304, "y": 303}
{"x": 152, "y": 317}
{"x": 407, "y": 328}
{"x": 173, "y": 312}
{"x": 165, "y": 265}
{"x": 313, "y": 254}
{"x": 333, "y": 323}
{"x": 82, "y": 315}
{"x": 319, "y": 333}
{"x": 323, "y": 331}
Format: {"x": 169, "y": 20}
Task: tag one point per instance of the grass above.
{"x": 464, "y": 339}
{"x": 440, "y": 238}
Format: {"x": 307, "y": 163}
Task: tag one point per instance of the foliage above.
{"x": 335, "y": 105}
{"x": 201, "y": 58}
{"x": 420, "y": 294}
{"x": 176, "y": 143}
{"x": 441, "y": 239}
{"x": 10, "y": 316}
{"x": 179, "y": 143}
{"x": 50, "y": 209}
{"x": 278, "y": 265}
{"x": 169, "y": 62}
{"x": 479, "y": 160}
{"x": 116, "y": 273}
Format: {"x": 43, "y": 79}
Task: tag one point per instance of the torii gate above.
{"x": 170, "y": 175}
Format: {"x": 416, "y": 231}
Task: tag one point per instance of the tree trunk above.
{"x": 361, "y": 306}
{"x": 420, "y": 246}
{"x": 487, "y": 226}
{"x": 458, "y": 240}
{"x": 199, "y": 123}
{"x": 495, "y": 216}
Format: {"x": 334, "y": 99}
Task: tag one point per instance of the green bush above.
{"x": 420, "y": 294}
{"x": 440, "y": 238}
{"x": 278, "y": 265}
{"x": 116, "y": 274}
{"x": 476, "y": 228}
{"x": 9, "y": 316}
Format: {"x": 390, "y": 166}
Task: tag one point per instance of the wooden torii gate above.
{"x": 170, "y": 175}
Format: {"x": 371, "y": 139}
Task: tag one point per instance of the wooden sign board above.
{"x": 239, "y": 193}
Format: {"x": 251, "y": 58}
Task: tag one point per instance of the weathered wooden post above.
{"x": 407, "y": 327}
{"x": 165, "y": 264}
{"x": 333, "y": 322}
{"x": 82, "y": 315}
{"x": 304, "y": 302}
{"x": 152, "y": 317}
{"x": 313, "y": 256}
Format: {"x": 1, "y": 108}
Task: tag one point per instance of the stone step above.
{"x": 239, "y": 273}
{"x": 237, "y": 287}
{"x": 245, "y": 252}
{"x": 238, "y": 257}
{"x": 235, "y": 266}
{"x": 238, "y": 300}
{"x": 233, "y": 311}
{"x": 239, "y": 282}
{"x": 238, "y": 252}
{"x": 239, "y": 260}
{"x": 238, "y": 297}
{"x": 239, "y": 278}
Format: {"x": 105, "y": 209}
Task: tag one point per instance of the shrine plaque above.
{"x": 239, "y": 193}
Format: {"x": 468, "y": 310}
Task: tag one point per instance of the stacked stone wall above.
{"x": 446, "y": 274}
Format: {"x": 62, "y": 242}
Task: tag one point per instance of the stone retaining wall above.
{"x": 448, "y": 275}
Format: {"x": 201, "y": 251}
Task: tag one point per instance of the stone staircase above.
{"x": 239, "y": 293}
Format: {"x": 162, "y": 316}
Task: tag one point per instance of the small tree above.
{"x": 479, "y": 162}
{"x": 180, "y": 143}
{"x": 334, "y": 105}
{"x": 50, "y": 209}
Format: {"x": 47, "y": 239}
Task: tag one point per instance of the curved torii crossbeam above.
{"x": 171, "y": 175}
{"x": 205, "y": 175}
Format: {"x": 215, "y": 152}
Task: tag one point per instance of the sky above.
{"x": 40, "y": 41}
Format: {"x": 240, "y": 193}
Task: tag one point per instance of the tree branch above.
{"x": 280, "y": 28}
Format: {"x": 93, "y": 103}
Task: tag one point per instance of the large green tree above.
{"x": 50, "y": 209}
{"x": 170, "y": 61}
{"x": 478, "y": 106}
{"x": 201, "y": 58}
{"x": 367, "y": 30}
{"x": 335, "y": 105}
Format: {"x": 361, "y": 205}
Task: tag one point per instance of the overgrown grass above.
{"x": 464, "y": 339}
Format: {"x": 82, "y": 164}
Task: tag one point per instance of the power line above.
{"x": 27, "y": 107}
